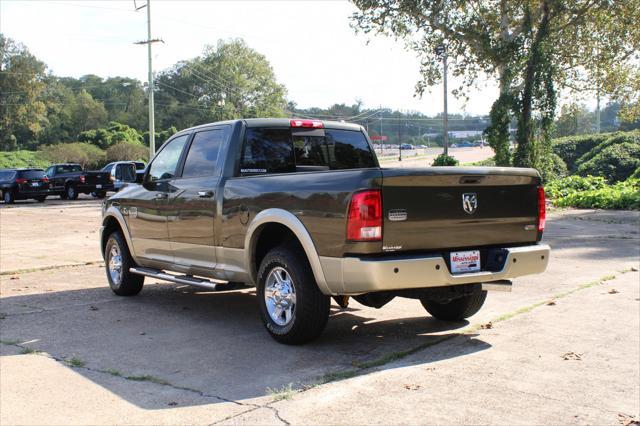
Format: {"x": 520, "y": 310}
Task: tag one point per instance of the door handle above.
{"x": 205, "y": 194}
{"x": 162, "y": 196}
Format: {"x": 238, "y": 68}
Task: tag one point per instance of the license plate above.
{"x": 465, "y": 261}
{"x": 98, "y": 186}
{"x": 35, "y": 183}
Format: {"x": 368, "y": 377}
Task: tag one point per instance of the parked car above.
{"x": 406, "y": 146}
{"x": 69, "y": 180}
{"x": 121, "y": 173}
{"x": 23, "y": 184}
{"x": 302, "y": 210}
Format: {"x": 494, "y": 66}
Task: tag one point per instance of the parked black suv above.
{"x": 23, "y": 184}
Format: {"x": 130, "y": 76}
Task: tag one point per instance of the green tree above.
{"x": 574, "y": 119}
{"x": 532, "y": 47}
{"x": 230, "y": 80}
{"x": 113, "y": 134}
{"x": 22, "y": 113}
{"x": 87, "y": 155}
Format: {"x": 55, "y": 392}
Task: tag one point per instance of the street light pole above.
{"x": 445, "y": 122}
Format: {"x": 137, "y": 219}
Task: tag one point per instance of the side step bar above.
{"x": 179, "y": 279}
{"x": 500, "y": 285}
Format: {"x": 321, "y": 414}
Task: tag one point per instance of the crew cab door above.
{"x": 194, "y": 203}
{"x": 149, "y": 212}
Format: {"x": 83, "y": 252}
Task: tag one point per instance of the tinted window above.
{"x": 267, "y": 151}
{"x": 68, "y": 168}
{"x": 106, "y": 168}
{"x": 140, "y": 165}
{"x": 126, "y": 172}
{"x": 338, "y": 149}
{"x": 164, "y": 165}
{"x": 31, "y": 174}
{"x": 6, "y": 175}
{"x": 203, "y": 153}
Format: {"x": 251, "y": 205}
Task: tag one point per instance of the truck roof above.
{"x": 277, "y": 122}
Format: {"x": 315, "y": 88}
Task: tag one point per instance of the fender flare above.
{"x": 115, "y": 213}
{"x": 294, "y": 224}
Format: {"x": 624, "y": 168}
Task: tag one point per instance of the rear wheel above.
{"x": 99, "y": 194}
{"x": 456, "y": 309}
{"x": 292, "y": 308}
{"x": 8, "y": 197}
{"x": 117, "y": 261}
{"x": 71, "y": 192}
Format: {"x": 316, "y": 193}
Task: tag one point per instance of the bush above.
{"x": 445, "y": 160}
{"x": 571, "y": 148}
{"x": 615, "y": 162}
{"x": 127, "y": 151}
{"x": 115, "y": 133}
{"x": 572, "y": 184}
{"x": 617, "y": 139}
{"x": 489, "y": 162}
{"x": 23, "y": 158}
{"x": 87, "y": 155}
{"x": 636, "y": 174}
{"x": 553, "y": 167}
{"x": 594, "y": 192}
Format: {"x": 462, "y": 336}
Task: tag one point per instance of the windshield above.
{"x": 68, "y": 168}
{"x": 31, "y": 174}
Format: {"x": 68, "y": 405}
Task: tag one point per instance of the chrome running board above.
{"x": 179, "y": 279}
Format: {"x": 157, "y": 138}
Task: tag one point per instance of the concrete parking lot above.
{"x": 563, "y": 347}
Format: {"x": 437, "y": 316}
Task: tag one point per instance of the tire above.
{"x": 8, "y": 197}
{"x": 41, "y": 199}
{"x": 71, "y": 192}
{"x": 309, "y": 312}
{"x": 100, "y": 194}
{"x": 125, "y": 283}
{"x": 457, "y": 309}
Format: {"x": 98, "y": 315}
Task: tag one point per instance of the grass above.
{"x": 9, "y": 342}
{"x": 148, "y": 378}
{"x": 111, "y": 372}
{"x": 284, "y": 393}
{"x": 29, "y": 351}
{"x": 75, "y": 362}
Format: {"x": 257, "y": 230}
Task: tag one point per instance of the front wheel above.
{"x": 117, "y": 260}
{"x": 292, "y": 308}
{"x": 456, "y": 309}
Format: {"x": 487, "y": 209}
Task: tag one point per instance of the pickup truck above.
{"x": 302, "y": 210}
{"x": 69, "y": 180}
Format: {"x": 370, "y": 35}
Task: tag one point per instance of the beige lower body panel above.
{"x": 352, "y": 276}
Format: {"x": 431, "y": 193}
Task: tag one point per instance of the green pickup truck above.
{"x": 302, "y": 210}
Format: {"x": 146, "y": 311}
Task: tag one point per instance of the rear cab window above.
{"x": 286, "y": 150}
{"x": 31, "y": 174}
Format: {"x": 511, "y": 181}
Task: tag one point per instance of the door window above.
{"x": 165, "y": 163}
{"x": 203, "y": 153}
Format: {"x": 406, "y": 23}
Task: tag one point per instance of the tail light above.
{"x": 364, "y": 221}
{"x": 21, "y": 180}
{"x": 542, "y": 209}
{"x": 45, "y": 179}
{"x": 82, "y": 178}
{"x": 309, "y": 124}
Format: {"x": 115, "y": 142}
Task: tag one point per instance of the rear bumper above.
{"x": 26, "y": 195}
{"x": 352, "y": 276}
{"x": 88, "y": 188}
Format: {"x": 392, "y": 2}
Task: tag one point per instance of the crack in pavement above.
{"x": 198, "y": 392}
{"x": 44, "y": 310}
{"x": 50, "y": 267}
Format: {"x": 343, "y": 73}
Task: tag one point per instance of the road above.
{"x": 563, "y": 347}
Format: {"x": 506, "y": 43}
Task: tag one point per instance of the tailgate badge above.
{"x": 397, "y": 215}
{"x": 470, "y": 202}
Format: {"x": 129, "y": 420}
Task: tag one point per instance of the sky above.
{"x": 312, "y": 48}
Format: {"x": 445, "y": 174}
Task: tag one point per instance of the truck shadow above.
{"x": 214, "y": 343}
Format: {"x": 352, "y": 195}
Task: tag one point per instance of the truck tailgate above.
{"x": 454, "y": 207}
{"x": 94, "y": 178}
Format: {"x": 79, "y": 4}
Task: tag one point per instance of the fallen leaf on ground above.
{"x": 93, "y": 308}
{"x": 142, "y": 333}
{"x": 552, "y": 303}
{"x": 15, "y": 278}
{"x": 572, "y": 356}
{"x": 613, "y": 291}
{"x": 487, "y": 326}
{"x": 634, "y": 269}
{"x": 627, "y": 420}
{"x": 412, "y": 387}
{"x": 172, "y": 403}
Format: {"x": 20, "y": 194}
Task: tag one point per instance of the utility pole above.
{"x": 442, "y": 51}
{"x": 381, "y": 140}
{"x": 148, "y": 42}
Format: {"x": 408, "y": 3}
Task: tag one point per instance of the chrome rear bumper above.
{"x": 352, "y": 276}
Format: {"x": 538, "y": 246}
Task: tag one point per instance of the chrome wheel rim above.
{"x": 280, "y": 296}
{"x": 115, "y": 264}
{"x": 71, "y": 192}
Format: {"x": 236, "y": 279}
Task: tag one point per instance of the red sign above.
{"x": 378, "y": 138}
